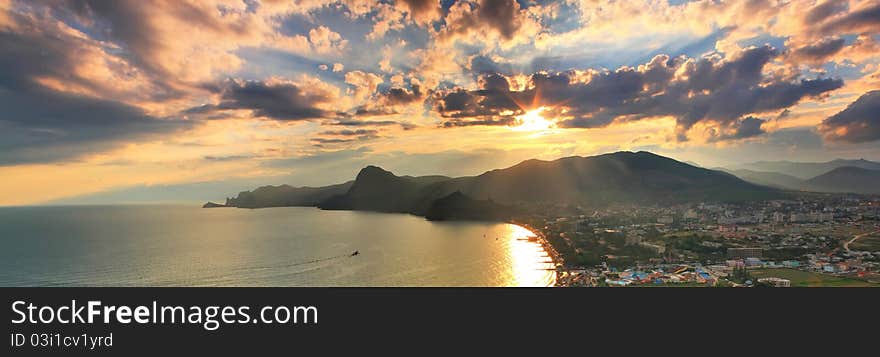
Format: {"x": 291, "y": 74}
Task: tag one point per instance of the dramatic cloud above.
{"x": 691, "y": 90}
{"x": 488, "y": 19}
{"x": 43, "y": 122}
{"x": 859, "y": 122}
{"x": 398, "y": 96}
{"x": 743, "y": 129}
{"x": 818, "y": 52}
{"x": 423, "y": 11}
{"x": 865, "y": 20}
{"x": 278, "y": 100}
{"x": 825, "y": 10}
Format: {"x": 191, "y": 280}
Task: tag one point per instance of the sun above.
{"x": 532, "y": 120}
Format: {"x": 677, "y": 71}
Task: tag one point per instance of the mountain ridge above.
{"x": 848, "y": 179}
{"x": 620, "y": 177}
{"x": 805, "y": 170}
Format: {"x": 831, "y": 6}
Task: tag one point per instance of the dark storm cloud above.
{"x": 279, "y": 101}
{"x": 819, "y": 51}
{"x": 859, "y": 122}
{"x": 710, "y": 89}
{"x": 39, "y": 124}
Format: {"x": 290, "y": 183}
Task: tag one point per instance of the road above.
{"x": 846, "y": 245}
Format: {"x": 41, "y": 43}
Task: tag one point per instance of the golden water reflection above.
{"x": 531, "y": 264}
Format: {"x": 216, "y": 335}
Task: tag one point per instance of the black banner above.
{"x": 336, "y": 320}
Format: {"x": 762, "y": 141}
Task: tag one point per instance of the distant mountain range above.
{"x": 772, "y": 179}
{"x": 852, "y": 176}
{"x": 285, "y": 196}
{"x": 622, "y": 177}
{"x": 806, "y": 170}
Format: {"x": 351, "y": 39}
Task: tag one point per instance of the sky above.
{"x": 172, "y": 100}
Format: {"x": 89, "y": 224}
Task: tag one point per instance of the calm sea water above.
{"x": 291, "y": 246}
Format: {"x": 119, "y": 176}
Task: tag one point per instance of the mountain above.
{"x": 771, "y": 179}
{"x": 375, "y": 189}
{"x": 846, "y": 179}
{"x": 458, "y": 206}
{"x": 807, "y": 170}
{"x": 623, "y": 177}
{"x": 285, "y": 195}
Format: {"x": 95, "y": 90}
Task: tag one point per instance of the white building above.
{"x": 776, "y": 282}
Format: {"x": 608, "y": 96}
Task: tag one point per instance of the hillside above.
{"x": 286, "y": 195}
{"x": 846, "y": 179}
{"x": 457, "y": 206}
{"x": 622, "y": 177}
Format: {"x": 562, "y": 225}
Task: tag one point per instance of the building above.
{"x": 733, "y": 263}
{"x": 776, "y": 282}
{"x": 779, "y": 217}
{"x": 742, "y": 253}
{"x": 798, "y": 217}
{"x": 753, "y": 262}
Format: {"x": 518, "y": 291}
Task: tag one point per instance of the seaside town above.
{"x": 817, "y": 240}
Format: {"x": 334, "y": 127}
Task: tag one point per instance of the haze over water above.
{"x": 290, "y": 246}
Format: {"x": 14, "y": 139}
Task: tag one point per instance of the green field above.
{"x": 808, "y": 279}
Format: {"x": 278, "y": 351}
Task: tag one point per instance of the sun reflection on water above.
{"x": 531, "y": 264}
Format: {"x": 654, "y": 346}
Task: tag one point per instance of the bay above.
{"x": 178, "y": 245}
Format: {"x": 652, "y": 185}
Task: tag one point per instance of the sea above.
{"x": 181, "y": 245}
